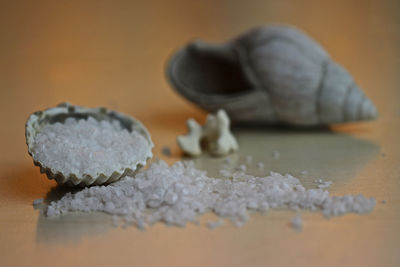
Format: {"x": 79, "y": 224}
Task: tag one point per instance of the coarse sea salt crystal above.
{"x": 227, "y": 160}
{"x": 297, "y": 222}
{"x": 38, "y": 201}
{"x": 177, "y": 194}
{"x": 276, "y": 155}
{"x": 249, "y": 159}
{"x": 242, "y": 167}
{"x": 88, "y": 147}
{"x": 323, "y": 184}
{"x": 215, "y": 224}
{"x": 304, "y": 172}
{"x": 166, "y": 151}
{"x": 225, "y": 173}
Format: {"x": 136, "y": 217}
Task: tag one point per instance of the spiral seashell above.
{"x": 271, "y": 74}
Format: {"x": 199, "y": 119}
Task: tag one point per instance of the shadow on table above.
{"x": 71, "y": 228}
{"x": 23, "y": 182}
{"x": 320, "y": 153}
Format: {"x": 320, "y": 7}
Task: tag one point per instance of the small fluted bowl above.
{"x": 63, "y": 111}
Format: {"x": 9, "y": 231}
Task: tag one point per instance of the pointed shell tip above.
{"x": 369, "y": 111}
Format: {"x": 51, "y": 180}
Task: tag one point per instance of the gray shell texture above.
{"x": 39, "y": 119}
{"x": 269, "y": 75}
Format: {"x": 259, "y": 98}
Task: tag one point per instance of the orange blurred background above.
{"x": 113, "y": 54}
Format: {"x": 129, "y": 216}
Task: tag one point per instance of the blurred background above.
{"x": 113, "y": 54}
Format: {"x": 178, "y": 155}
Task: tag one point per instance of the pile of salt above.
{"x": 89, "y": 147}
{"x": 177, "y": 194}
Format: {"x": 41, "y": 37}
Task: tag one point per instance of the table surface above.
{"x": 113, "y": 54}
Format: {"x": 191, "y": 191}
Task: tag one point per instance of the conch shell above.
{"x": 271, "y": 74}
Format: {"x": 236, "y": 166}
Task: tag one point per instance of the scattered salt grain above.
{"x": 228, "y": 160}
{"x": 89, "y": 147}
{"x": 242, "y": 168}
{"x": 260, "y": 165}
{"x": 178, "y": 194}
{"x": 140, "y": 224}
{"x": 297, "y": 223}
{"x": 276, "y": 155}
{"x": 304, "y": 172}
{"x": 323, "y": 184}
{"x": 166, "y": 151}
{"x": 249, "y": 159}
{"x": 225, "y": 173}
{"x": 215, "y": 224}
{"x": 115, "y": 221}
{"x": 37, "y": 201}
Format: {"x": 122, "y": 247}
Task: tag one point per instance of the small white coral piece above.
{"x": 190, "y": 143}
{"x": 215, "y": 133}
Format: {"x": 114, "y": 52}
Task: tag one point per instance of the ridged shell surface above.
{"x": 40, "y": 119}
{"x": 271, "y": 74}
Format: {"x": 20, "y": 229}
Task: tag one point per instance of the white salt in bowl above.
{"x": 73, "y": 163}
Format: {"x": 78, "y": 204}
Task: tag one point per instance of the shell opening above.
{"x": 210, "y": 69}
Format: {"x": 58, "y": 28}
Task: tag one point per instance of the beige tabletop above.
{"x": 113, "y": 54}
